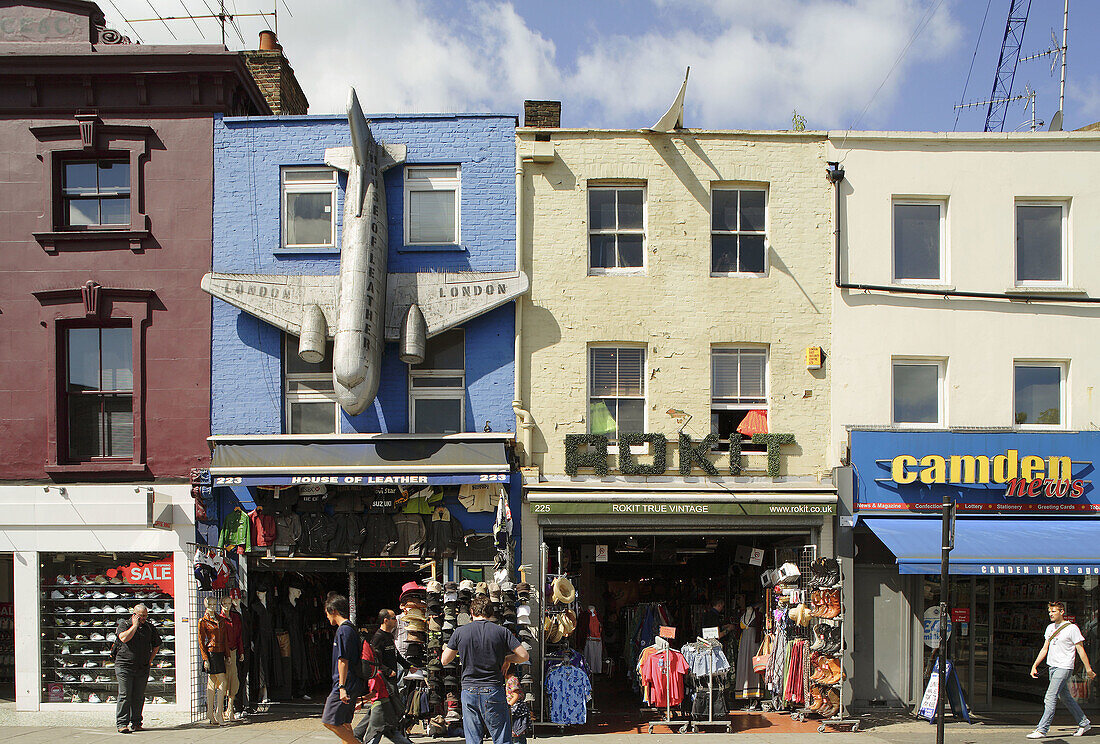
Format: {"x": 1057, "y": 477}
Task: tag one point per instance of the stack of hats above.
{"x": 434, "y": 669}
{"x": 414, "y": 599}
{"x": 526, "y": 634}
{"x": 449, "y": 676}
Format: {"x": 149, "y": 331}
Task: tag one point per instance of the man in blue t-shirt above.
{"x": 483, "y": 648}
{"x": 347, "y": 649}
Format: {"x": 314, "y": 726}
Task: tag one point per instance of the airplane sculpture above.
{"x": 363, "y": 306}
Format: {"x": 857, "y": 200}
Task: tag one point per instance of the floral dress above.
{"x": 521, "y": 715}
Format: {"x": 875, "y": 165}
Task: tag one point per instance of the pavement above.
{"x": 302, "y": 726}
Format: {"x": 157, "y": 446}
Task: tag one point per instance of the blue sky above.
{"x": 619, "y": 63}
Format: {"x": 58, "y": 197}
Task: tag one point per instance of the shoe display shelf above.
{"x": 79, "y": 621}
{"x": 827, "y": 678}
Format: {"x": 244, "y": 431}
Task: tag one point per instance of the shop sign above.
{"x": 931, "y": 624}
{"x": 601, "y": 554}
{"x": 348, "y": 479}
{"x": 589, "y": 451}
{"x": 960, "y": 614}
{"x": 667, "y": 632}
{"x": 388, "y": 565}
{"x": 55, "y": 693}
{"x": 984, "y": 472}
{"x": 158, "y": 573}
{"x": 685, "y": 509}
{"x": 710, "y": 634}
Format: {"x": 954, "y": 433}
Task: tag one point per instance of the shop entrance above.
{"x": 7, "y": 627}
{"x": 636, "y": 583}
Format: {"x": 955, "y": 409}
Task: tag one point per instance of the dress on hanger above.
{"x": 748, "y": 681}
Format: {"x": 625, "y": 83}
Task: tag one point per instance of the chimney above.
{"x": 275, "y": 77}
{"x": 542, "y": 114}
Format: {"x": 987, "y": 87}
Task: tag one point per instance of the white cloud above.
{"x": 752, "y": 62}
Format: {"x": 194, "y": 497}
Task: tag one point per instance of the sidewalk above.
{"x": 300, "y": 728}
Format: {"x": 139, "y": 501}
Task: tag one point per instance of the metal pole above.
{"x": 1065, "y": 50}
{"x": 945, "y": 551}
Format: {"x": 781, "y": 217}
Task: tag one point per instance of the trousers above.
{"x": 485, "y": 708}
{"x": 1059, "y": 688}
{"x": 131, "y": 694}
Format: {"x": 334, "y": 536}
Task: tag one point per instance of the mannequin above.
{"x": 288, "y": 617}
{"x": 238, "y": 613}
{"x": 212, "y": 648}
{"x": 234, "y": 654}
{"x": 749, "y": 683}
{"x": 593, "y": 648}
{"x": 265, "y": 670}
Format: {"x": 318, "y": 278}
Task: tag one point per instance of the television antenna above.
{"x": 222, "y": 16}
{"x": 998, "y": 102}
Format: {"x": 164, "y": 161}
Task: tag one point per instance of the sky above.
{"x": 841, "y": 64}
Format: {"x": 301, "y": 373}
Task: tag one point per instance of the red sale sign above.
{"x": 159, "y": 574}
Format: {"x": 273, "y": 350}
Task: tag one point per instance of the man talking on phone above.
{"x": 136, "y": 645}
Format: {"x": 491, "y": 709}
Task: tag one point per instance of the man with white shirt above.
{"x": 1063, "y": 640}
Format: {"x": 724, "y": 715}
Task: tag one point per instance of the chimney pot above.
{"x": 268, "y": 42}
{"x": 543, "y": 114}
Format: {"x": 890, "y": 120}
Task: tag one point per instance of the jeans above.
{"x": 485, "y": 708}
{"x": 1059, "y": 688}
{"x": 131, "y": 694}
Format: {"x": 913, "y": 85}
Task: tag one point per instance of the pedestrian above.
{"x": 347, "y": 650}
{"x": 517, "y": 707}
{"x": 1063, "y": 640}
{"x": 136, "y": 644}
{"x": 390, "y": 659}
{"x": 714, "y": 616}
{"x": 381, "y": 707}
{"x": 482, "y": 648}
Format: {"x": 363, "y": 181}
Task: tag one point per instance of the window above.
{"x": 918, "y": 242}
{"x": 1040, "y": 243}
{"x": 1039, "y": 393}
{"x": 99, "y": 393}
{"x": 737, "y": 232}
{"x": 309, "y": 207}
{"x": 431, "y": 205}
{"x": 739, "y": 394}
{"x": 617, "y": 391}
{"x": 918, "y": 391}
{"x": 95, "y": 193}
{"x": 311, "y": 406}
{"x": 616, "y": 232}
{"x": 437, "y": 386}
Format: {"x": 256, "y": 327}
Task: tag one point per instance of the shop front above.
{"x": 690, "y": 561}
{"x": 82, "y": 557}
{"x": 363, "y": 515}
{"x": 1025, "y": 534}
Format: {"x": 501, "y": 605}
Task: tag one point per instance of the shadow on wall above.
{"x": 663, "y": 146}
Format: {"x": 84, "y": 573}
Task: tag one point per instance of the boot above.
{"x": 821, "y": 670}
{"x": 219, "y": 705}
{"x": 819, "y": 638}
{"x": 817, "y": 601}
{"x": 212, "y": 713}
{"x": 229, "y": 716}
{"x": 816, "y": 698}
{"x": 832, "y": 572}
{"x": 837, "y": 672}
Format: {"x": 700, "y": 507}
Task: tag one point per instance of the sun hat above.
{"x": 567, "y": 621}
{"x": 563, "y": 591}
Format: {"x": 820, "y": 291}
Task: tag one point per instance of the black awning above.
{"x": 376, "y": 461}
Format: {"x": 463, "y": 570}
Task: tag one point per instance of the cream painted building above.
{"x": 677, "y": 283}
{"x": 963, "y": 326}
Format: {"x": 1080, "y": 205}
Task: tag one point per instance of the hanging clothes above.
{"x": 570, "y": 690}
{"x": 748, "y": 681}
{"x": 235, "y": 531}
{"x": 663, "y": 673}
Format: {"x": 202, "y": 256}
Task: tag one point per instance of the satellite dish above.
{"x": 1055, "y": 122}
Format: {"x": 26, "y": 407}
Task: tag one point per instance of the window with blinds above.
{"x": 616, "y": 390}
{"x": 431, "y": 205}
{"x": 739, "y": 395}
{"x": 99, "y": 393}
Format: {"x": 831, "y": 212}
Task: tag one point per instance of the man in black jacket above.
{"x": 385, "y": 648}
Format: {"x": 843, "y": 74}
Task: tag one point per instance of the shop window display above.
{"x": 84, "y": 596}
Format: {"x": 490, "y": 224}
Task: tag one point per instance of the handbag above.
{"x": 763, "y": 655}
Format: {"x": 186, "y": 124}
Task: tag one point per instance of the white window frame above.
{"x": 764, "y": 232}
{"x": 589, "y": 232}
{"x": 917, "y": 201}
{"x": 612, "y": 444}
{"x": 1035, "y": 202}
{"x": 717, "y": 405}
{"x": 433, "y": 184}
{"x": 438, "y": 393}
{"x": 290, "y": 397}
{"x": 1063, "y": 385}
{"x": 940, "y": 363}
{"x": 328, "y": 186}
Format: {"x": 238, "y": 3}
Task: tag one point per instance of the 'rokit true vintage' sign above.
{"x": 590, "y": 451}
{"x": 985, "y": 471}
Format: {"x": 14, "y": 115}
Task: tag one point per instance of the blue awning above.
{"x": 994, "y": 547}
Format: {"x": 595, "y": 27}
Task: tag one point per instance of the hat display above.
{"x": 464, "y": 619}
{"x": 567, "y": 621}
{"x": 481, "y": 589}
{"x": 523, "y": 588}
{"x": 434, "y": 625}
{"x": 562, "y": 591}
{"x": 494, "y": 592}
{"x": 434, "y": 587}
{"x": 412, "y": 586}
{"x": 466, "y": 586}
{"x": 523, "y": 614}
{"x": 414, "y": 613}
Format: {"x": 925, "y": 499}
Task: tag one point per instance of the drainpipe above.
{"x": 524, "y": 422}
{"x": 835, "y": 173}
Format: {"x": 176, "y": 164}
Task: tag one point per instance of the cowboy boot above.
{"x": 837, "y": 672}
{"x": 831, "y": 600}
{"x": 210, "y": 709}
{"x": 819, "y": 638}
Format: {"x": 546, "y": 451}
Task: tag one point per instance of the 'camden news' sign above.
{"x": 1007, "y": 472}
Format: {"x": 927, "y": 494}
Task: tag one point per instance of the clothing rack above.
{"x": 668, "y": 696}
{"x": 549, "y": 608}
{"x": 695, "y": 725}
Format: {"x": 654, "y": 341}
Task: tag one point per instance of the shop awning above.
{"x": 1004, "y": 546}
{"x": 280, "y": 461}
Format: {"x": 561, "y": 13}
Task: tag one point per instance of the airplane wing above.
{"x": 278, "y": 300}
{"x": 448, "y": 299}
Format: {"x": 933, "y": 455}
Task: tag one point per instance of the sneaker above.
{"x": 1037, "y": 735}
{"x": 102, "y": 678}
{"x": 56, "y": 594}
{"x": 80, "y": 637}
{"x": 75, "y": 699}
{"x": 110, "y": 595}
{"x": 1082, "y": 730}
{"x": 167, "y": 680}
{"x": 95, "y": 610}
{"x": 97, "y": 594}
{"x": 99, "y": 580}
{"x": 65, "y": 649}
{"x": 160, "y": 701}
{"x": 90, "y": 665}
{"x": 111, "y": 699}
{"x": 121, "y": 610}
{"x": 64, "y": 637}
{"x": 168, "y": 638}
{"x": 98, "y": 637}
{"x": 87, "y": 678}
{"x": 67, "y": 610}
{"x": 115, "y": 580}
{"x": 68, "y": 678}
{"x": 112, "y": 637}
{"x": 93, "y": 698}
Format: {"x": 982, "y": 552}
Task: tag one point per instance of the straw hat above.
{"x": 800, "y": 614}
{"x": 553, "y": 635}
{"x": 413, "y": 614}
{"x": 563, "y": 591}
{"x": 567, "y": 621}
{"x": 548, "y": 624}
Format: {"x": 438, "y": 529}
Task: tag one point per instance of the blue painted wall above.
{"x": 246, "y": 352}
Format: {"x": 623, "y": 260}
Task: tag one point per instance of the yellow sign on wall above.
{"x": 813, "y": 357}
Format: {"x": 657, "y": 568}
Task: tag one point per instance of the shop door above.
{"x": 969, "y": 643}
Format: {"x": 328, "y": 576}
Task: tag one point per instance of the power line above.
{"x": 169, "y": 28}
{"x": 977, "y": 42}
{"x": 188, "y": 12}
{"x": 123, "y": 17}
